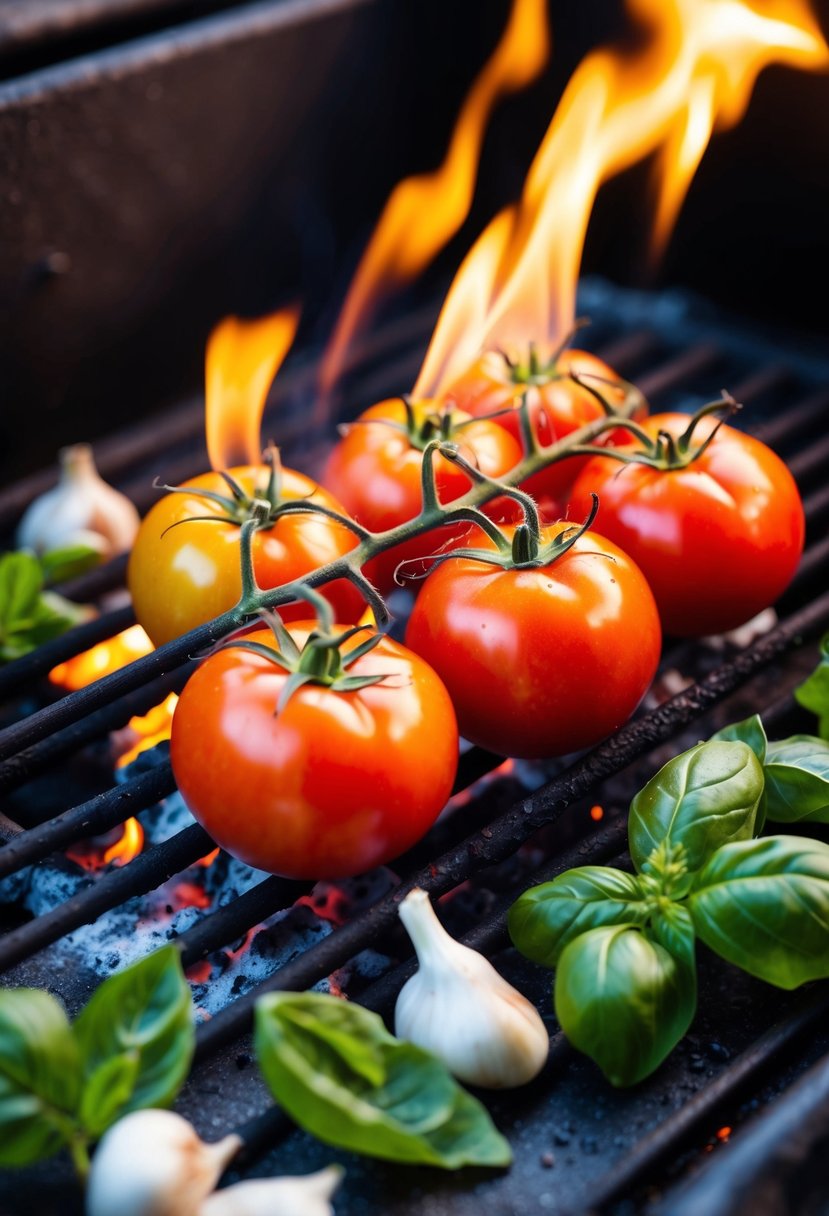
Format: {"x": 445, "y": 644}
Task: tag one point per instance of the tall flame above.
{"x": 425, "y": 211}
{"x": 242, "y": 359}
{"x": 695, "y": 73}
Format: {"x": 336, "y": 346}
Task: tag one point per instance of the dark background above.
{"x": 163, "y": 164}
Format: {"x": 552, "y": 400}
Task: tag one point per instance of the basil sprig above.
{"x": 623, "y": 945}
{"x": 29, "y": 614}
{"x": 339, "y": 1074}
{"x": 813, "y": 694}
{"x": 63, "y": 1084}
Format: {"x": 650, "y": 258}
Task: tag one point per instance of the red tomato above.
{"x": 540, "y": 661}
{"x": 718, "y": 540}
{"x": 331, "y": 785}
{"x": 375, "y": 471}
{"x": 179, "y": 577}
{"x": 557, "y": 404}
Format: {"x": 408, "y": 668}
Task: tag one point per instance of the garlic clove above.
{"x": 80, "y": 510}
{"x": 152, "y": 1163}
{"x": 306, "y": 1196}
{"x": 458, "y": 1007}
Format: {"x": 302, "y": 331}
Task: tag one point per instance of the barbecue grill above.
{"x": 735, "y": 1120}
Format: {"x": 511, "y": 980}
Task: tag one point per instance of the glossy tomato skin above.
{"x": 333, "y": 784}
{"x": 181, "y": 576}
{"x": 557, "y": 407}
{"x": 375, "y": 471}
{"x": 540, "y": 662}
{"x": 718, "y": 541}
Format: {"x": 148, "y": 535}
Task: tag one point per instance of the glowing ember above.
{"x": 597, "y": 813}
{"x": 723, "y": 1134}
{"x": 425, "y": 211}
{"x": 209, "y": 858}
{"x": 102, "y": 659}
{"x": 242, "y": 359}
{"x": 695, "y": 71}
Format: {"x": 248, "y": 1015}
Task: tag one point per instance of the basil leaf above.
{"x": 813, "y": 693}
{"x": 68, "y": 561}
{"x": 107, "y": 1091}
{"x": 144, "y": 1011}
{"x": 750, "y": 731}
{"x": 623, "y": 1000}
{"x": 673, "y": 928}
{"x": 340, "y": 1075}
{"x": 40, "y": 1076}
{"x": 797, "y": 780}
{"x": 545, "y": 918}
{"x": 764, "y": 906}
{"x": 700, "y": 800}
{"x": 21, "y": 582}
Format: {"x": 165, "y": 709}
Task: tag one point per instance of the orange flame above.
{"x": 242, "y": 359}
{"x": 425, "y": 211}
{"x": 128, "y": 846}
{"x": 102, "y": 659}
{"x": 695, "y": 73}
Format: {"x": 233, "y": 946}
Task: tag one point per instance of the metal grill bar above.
{"x": 97, "y": 815}
{"x": 148, "y": 871}
{"x": 26, "y": 764}
{"x": 41, "y": 661}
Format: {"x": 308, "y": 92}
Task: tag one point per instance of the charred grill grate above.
{"x": 606, "y": 1146}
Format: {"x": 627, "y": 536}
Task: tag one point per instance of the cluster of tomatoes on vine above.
{"x": 316, "y": 746}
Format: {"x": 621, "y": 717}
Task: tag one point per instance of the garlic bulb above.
{"x": 81, "y": 510}
{"x": 458, "y": 1007}
{"x": 307, "y": 1196}
{"x": 152, "y": 1163}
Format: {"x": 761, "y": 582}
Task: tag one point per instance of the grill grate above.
{"x": 569, "y": 1110}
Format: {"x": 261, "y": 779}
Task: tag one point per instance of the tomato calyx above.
{"x": 321, "y": 660}
{"x": 423, "y": 426}
{"x": 534, "y": 371}
{"x": 266, "y": 505}
{"x": 667, "y": 452}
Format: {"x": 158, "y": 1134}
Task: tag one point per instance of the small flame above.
{"x": 425, "y": 211}
{"x": 151, "y": 728}
{"x": 94, "y": 854}
{"x": 242, "y": 359}
{"x": 695, "y": 72}
{"x": 128, "y": 846}
{"x": 102, "y": 659}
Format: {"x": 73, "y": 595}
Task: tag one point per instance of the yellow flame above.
{"x": 150, "y": 728}
{"x": 129, "y": 845}
{"x": 425, "y": 211}
{"x": 694, "y": 74}
{"x": 102, "y": 660}
{"x": 242, "y": 359}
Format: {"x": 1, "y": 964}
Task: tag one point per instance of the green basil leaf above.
{"x": 21, "y": 582}
{"x": 673, "y": 928}
{"x": 107, "y": 1091}
{"x": 797, "y": 780}
{"x": 700, "y": 800}
{"x": 764, "y": 906}
{"x": 340, "y": 1075}
{"x": 750, "y": 731}
{"x": 40, "y": 1076}
{"x": 68, "y": 562}
{"x": 545, "y": 918}
{"x": 623, "y": 1000}
{"x": 813, "y": 693}
{"x": 146, "y": 1011}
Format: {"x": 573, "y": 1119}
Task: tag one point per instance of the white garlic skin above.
{"x": 306, "y": 1196}
{"x": 81, "y": 510}
{"x": 459, "y": 1008}
{"x": 152, "y": 1163}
